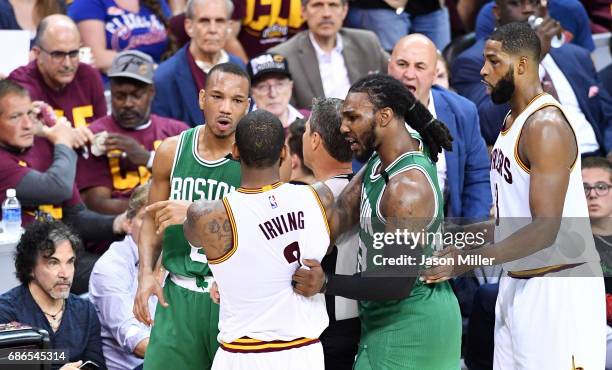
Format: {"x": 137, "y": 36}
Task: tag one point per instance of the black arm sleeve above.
{"x": 53, "y": 186}
{"x": 369, "y": 288}
{"x": 92, "y": 226}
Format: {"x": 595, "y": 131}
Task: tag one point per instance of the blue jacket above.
{"x": 176, "y": 94}
{"x": 576, "y": 65}
{"x": 467, "y": 165}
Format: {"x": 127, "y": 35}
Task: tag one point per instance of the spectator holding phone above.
{"x": 45, "y": 265}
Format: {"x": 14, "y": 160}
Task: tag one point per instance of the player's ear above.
{"x": 235, "y": 151}
{"x": 522, "y": 65}
{"x": 202, "y": 98}
{"x": 315, "y": 140}
{"x": 384, "y": 116}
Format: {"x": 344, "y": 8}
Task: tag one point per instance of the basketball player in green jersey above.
{"x": 406, "y": 324}
{"x": 194, "y": 165}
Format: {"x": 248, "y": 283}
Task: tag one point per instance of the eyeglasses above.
{"x": 264, "y": 88}
{"x": 601, "y": 189}
{"x": 58, "y": 56}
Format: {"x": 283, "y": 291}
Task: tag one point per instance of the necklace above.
{"x": 603, "y": 240}
{"x": 54, "y": 320}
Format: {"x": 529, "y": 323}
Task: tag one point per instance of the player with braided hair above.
{"x": 405, "y": 324}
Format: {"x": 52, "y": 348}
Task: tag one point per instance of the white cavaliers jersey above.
{"x": 510, "y": 180}
{"x": 274, "y": 229}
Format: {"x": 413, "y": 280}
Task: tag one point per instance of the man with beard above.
{"x": 55, "y": 76}
{"x": 405, "y": 324}
{"x": 541, "y": 232}
{"x": 566, "y": 72}
{"x": 195, "y": 165}
{"x": 106, "y": 179}
{"x": 44, "y": 263}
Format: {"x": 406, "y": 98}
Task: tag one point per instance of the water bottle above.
{"x": 535, "y": 22}
{"x": 11, "y": 213}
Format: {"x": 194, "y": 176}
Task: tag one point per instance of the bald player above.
{"x": 463, "y": 173}
{"x": 550, "y": 311}
{"x": 56, "y": 76}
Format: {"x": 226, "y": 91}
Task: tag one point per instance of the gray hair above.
{"x": 190, "y": 12}
{"x": 325, "y": 119}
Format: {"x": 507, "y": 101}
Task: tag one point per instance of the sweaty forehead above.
{"x": 356, "y": 101}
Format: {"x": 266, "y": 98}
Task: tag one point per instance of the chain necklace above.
{"x": 54, "y": 320}
{"x": 603, "y": 240}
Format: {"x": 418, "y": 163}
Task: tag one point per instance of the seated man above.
{"x": 327, "y": 58}
{"x": 132, "y": 134}
{"x": 44, "y": 263}
{"x": 567, "y": 73}
{"x": 112, "y": 289}
{"x": 179, "y": 79}
{"x": 271, "y": 86}
{"x": 42, "y": 170}
{"x": 56, "y": 77}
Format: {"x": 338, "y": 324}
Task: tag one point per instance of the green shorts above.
{"x": 184, "y": 335}
{"x": 420, "y": 332}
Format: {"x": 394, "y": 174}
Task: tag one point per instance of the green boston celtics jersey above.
{"x": 194, "y": 178}
{"x": 423, "y": 330}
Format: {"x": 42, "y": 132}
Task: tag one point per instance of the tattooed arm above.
{"x": 343, "y": 213}
{"x": 207, "y": 226}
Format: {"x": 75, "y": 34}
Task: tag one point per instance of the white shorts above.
{"x": 308, "y": 357}
{"x": 551, "y": 322}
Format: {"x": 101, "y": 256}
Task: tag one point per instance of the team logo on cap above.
{"x": 143, "y": 69}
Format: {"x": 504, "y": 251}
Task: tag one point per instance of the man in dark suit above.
{"x": 567, "y": 73}
{"x": 325, "y": 60}
{"x": 179, "y": 79}
{"x": 463, "y": 173}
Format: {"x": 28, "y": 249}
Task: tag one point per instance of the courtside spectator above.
{"x": 109, "y": 26}
{"x": 570, "y": 13}
{"x": 44, "y": 263}
{"x": 40, "y": 164}
{"x": 130, "y": 136}
{"x": 271, "y": 86}
{"x": 567, "y": 73}
{"x": 327, "y": 58}
{"x": 112, "y": 289}
{"x": 597, "y": 181}
{"x": 180, "y": 79}
{"x": 442, "y": 72}
{"x": 55, "y": 76}
{"x": 26, "y": 15}
{"x": 463, "y": 173}
{"x": 259, "y": 27}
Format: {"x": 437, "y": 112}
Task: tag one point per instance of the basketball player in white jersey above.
{"x": 550, "y": 312}
{"x": 254, "y": 239}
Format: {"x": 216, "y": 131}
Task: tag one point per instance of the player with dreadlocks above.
{"x": 405, "y": 324}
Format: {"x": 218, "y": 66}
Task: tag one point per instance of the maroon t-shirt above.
{"x": 262, "y": 30}
{"x": 81, "y": 101}
{"x": 14, "y": 166}
{"x": 119, "y": 174}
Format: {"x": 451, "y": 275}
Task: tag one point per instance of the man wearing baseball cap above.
{"x": 271, "y": 86}
{"x": 125, "y": 142}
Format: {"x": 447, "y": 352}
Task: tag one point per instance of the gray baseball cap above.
{"x": 132, "y": 64}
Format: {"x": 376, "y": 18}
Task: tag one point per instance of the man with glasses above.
{"x": 56, "y": 76}
{"x": 597, "y": 181}
{"x": 179, "y": 79}
{"x": 271, "y": 86}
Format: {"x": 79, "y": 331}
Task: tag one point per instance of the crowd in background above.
{"x": 109, "y": 80}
